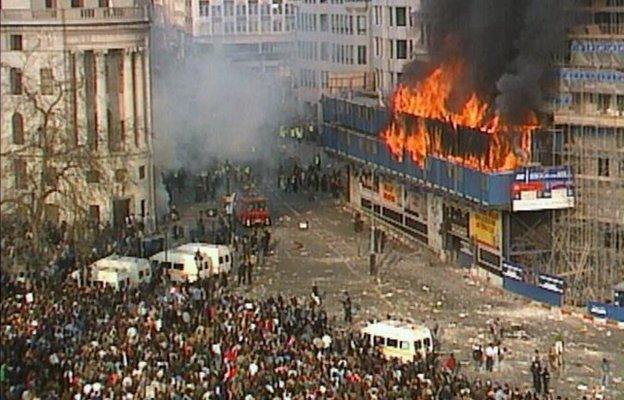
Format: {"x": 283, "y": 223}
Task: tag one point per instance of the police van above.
{"x": 220, "y": 255}
{"x": 109, "y": 277}
{"x": 137, "y": 269}
{"x": 398, "y": 339}
{"x": 182, "y": 266}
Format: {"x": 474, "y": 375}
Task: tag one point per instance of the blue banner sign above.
{"x": 552, "y": 283}
{"x": 513, "y": 271}
{"x": 605, "y": 310}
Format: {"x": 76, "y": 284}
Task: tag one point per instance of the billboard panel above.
{"x": 542, "y": 188}
{"x": 485, "y": 228}
{"x": 390, "y": 192}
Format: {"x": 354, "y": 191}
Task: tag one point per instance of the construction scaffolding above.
{"x": 588, "y": 240}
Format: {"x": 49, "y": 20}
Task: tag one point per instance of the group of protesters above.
{"x": 183, "y": 341}
{"x": 58, "y": 247}
{"x": 310, "y": 179}
{"x": 175, "y": 341}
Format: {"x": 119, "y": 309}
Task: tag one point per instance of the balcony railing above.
{"x": 75, "y": 15}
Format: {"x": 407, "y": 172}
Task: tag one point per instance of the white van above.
{"x": 138, "y": 269}
{"x": 182, "y": 266}
{"x": 220, "y": 254}
{"x": 399, "y": 339}
{"x": 106, "y": 276}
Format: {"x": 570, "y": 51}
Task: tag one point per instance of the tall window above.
{"x": 16, "y": 42}
{"x": 228, "y": 8}
{"x": 361, "y": 25}
{"x": 94, "y": 213}
{"x": 401, "y": 50}
{"x": 16, "y": 81}
{"x": 21, "y": 181}
{"x": 401, "y": 17}
{"x": 204, "y": 7}
{"x": 603, "y": 166}
{"x": 17, "y": 122}
{"x": 361, "y": 55}
{"x": 619, "y": 102}
{"x": 47, "y": 80}
{"x": 76, "y": 3}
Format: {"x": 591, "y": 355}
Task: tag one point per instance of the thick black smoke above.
{"x": 506, "y": 47}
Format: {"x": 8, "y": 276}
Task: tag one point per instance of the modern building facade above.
{"x": 398, "y": 36}
{"x": 76, "y": 110}
{"x": 254, "y": 34}
{"x": 332, "y": 49}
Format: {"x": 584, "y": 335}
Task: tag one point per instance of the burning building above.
{"x": 473, "y": 135}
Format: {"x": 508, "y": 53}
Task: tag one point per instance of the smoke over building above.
{"x": 505, "y": 47}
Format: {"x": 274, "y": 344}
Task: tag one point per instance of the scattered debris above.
{"x": 303, "y": 225}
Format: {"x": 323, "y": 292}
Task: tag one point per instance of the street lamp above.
{"x": 373, "y": 247}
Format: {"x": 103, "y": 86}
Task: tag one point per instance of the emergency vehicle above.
{"x": 398, "y": 339}
{"x": 252, "y": 210}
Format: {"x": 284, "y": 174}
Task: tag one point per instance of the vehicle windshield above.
{"x": 256, "y": 205}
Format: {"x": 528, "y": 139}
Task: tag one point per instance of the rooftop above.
{"x": 74, "y": 16}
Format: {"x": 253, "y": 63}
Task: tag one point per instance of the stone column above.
{"x": 148, "y": 97}
{"x": 138, "y": 98}
{"x": 128, "y": 102}
{"x": 101, "y": 99}
{"x": 81, "y": 109}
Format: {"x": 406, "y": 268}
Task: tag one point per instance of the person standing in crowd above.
{"x": 490, "y": 353}
{"x": 477, "y": 356}
{"x": 536, "y": 372}
{"x": 545, "y": 375}
{"x": 346, "y": 304}
{"x": 242, "y": 270}
{"x": 266, "y": 241}
{"x": 250, "y": 267}
{"x": 315, "y": 296}
{"x": 605, "y": 368}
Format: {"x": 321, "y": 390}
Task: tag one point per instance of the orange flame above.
{"x": 509, "y": 146}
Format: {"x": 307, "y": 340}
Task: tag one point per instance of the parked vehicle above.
{"x": 220, "y": 255}
{"x": 137, "y": 269}
{"x": 111, "y": 277}
{"x": 252, "y": 210}
{"x": 399, "y": 339}
{"x": 182, "y": 266}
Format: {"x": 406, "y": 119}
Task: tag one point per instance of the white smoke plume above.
{"x": 208, "y": 108}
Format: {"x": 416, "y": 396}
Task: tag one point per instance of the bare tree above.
{"x": 50, "y": 167}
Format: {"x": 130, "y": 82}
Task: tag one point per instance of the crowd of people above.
{"x": 182, "y": 341}
{"x": 177, "y": 341}
{"x": 310, "y": 179}
{"x": 60, "y": 247}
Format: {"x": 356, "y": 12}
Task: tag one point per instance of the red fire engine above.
{"x": 252, "y": 210}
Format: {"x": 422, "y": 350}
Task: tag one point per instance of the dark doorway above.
{"x": 121, "y": 210}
